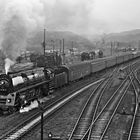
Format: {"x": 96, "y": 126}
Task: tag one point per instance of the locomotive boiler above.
{"x": 19, "y": 89}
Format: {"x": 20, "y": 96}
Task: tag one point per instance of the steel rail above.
{"x": 105, "y": 129}
{"x": 48, "y": 109}
{"x": 84, "y": 110}
{"x": 135, "y": 111}
{"x": 106, "y": 125}
{"x": 103, "y": 109}
{"x": 113, "y": 114}
{"x": 135, "y": 85}
{"x": 91, "y": 105}
{"x": 90, "y": 128}
{"x": 91, "y": 102}
{"x": 98, "y": 102}
{"x": 15, "y": 129}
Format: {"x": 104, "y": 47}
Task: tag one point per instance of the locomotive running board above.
{"x": 32, "y": 86}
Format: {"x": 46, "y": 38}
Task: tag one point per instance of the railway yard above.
{"x": 104, "y": 105}
{"x": 69, "y": 70}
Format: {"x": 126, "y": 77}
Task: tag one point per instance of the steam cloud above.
{"x": 74, "y": 15}
{"x": 8, "y": 63}
{"x": 14, "y": 35}
{"x": 22, "y": 18}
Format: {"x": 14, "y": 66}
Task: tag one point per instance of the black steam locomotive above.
{"x": 19, "y": 89}
{"x": 29, "y": 81}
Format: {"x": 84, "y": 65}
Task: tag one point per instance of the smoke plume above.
{"x": 69, "y": 15}
{"x": 21, "y": 19}
{"x": 14, "y": 37}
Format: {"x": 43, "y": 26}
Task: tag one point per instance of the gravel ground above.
{"x": 118, "y": 127}
{"x": 62, "y": 122}
{"x": 109, "y": 91}
{"x": 122, "y": 119}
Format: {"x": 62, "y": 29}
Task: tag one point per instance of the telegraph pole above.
{"x": 72, "y": 48}
{"x": 60, "y": 46}
{"x": 44, "y": 42}
{"x": 63, "y": 52}
{"x": 44, "y": 46}
{"x": 53, "y": 47}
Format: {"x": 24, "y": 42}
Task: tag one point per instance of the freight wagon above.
{"x": 79, "y": 71}
{"x": 21, "y": 88}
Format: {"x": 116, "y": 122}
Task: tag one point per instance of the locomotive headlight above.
{"x": 2, "y": 82}
{"x": 25, "y": 102}
{"x": 9, "y": 100}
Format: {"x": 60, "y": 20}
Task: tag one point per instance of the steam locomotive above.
{"x": 91, "y": 55}
{"x": 18, "y": 89}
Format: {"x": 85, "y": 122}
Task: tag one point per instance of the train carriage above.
{"x": 126, "y": 57}
{"x": 97, "y": 60}
{"x": 98, "y": 66}
{"x": 131, "y": 56}
{"x": 111, "y": 61}
{"x": 120, "y": 59}
{"x": 135, "y": 54}
{"x": 60, "y": 80}
{"x": 60, "y": 77}
{"x": 78, "y": 71}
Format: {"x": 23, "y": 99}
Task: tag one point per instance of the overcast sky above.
{"x": 98, "y": 16}
{"x": 117, "y": 15}
{"x": 21, "y": 19}
{"x": 82, "y": 16}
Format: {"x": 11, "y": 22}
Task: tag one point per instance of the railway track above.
{"x": 95, "y": 126}
{"x": 27, "y": 125}
{"x": 34, "y": 120}
{"x": 90, "y": 109}
{"x": 134, "y": 133}
{"x": 100, "y": 124}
